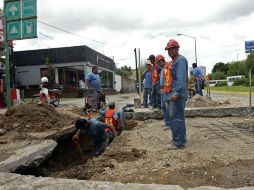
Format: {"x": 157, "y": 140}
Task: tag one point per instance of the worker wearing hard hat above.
{"x": 155, "y": 94}
{"x": 174, "y": 84}
{"x": 147, "y": 85}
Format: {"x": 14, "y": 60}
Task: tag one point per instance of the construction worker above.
{"x": 147, "y": 85}
{"x": 196, "y": 72}
{"x": 161, "y": 63}
{"x": 155, "y": 94}
{"x": 96, "y": 130}
{"x": 114, "y": 118}
{"x": 174, "y": 84}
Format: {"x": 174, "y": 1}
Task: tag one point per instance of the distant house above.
{"x": 70, "y": 64}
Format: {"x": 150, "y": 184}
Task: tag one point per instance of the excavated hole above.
{"x": 67, "y": 156}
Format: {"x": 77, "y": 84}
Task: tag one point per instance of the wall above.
{"x": 128, "y": 85}
{"x": 118, "y": 84}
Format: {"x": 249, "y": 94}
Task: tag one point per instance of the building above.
{"x": 66, "y": 66}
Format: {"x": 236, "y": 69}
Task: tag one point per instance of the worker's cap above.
{"x": 158, "y": 58}
{"x": 111, "y": 104}
{"x": 172, "y": 43}
{"x": 151, "y": 57}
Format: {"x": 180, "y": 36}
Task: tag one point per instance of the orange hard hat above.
{"x": 172, "y": 43}
{"x": 158, "y": 58}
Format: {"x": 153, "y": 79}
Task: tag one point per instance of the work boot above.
{"x": 172, "y": 146}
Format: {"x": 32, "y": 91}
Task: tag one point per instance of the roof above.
{"x": 63, "y": 55}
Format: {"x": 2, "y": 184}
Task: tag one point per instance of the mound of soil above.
{"x": 34, "y": 118}
{"x": 203, "y": 101}
{"x": 130, "y": 124}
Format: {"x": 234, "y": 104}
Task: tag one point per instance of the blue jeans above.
{"x": 177, "y": 117}
{"x": 147, "y": 97}
{"x": 198, "y": 87}
{"x": 100, "y": 146}
{"x": 165, "y": 109}
{"x": 155, "y": 96}
{"x": 122, "y": 121}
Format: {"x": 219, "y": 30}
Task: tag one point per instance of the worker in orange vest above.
{"x": 112, "y": 117}
{"x": 174, "y": 84}
{"x": 155, "y": 94}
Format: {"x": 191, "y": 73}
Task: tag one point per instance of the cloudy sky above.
{"x": 116, "y": 27}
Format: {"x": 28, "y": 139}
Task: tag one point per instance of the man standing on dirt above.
{"x": 96, "y": 130}
{"x": 147, "y": 85}
{"x": 155, "y": 94}
{"x": 175, "y": 87}
{"x": 196, "y": 72}
{"x": 93, "y": 80}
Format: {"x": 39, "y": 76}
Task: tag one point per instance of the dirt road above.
{"x": 219, "y": 153}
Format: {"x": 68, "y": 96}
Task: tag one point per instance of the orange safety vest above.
{"x": 109, "y": 119}
{"x": 168, "y": 78}
{"x": 155, "y": 76}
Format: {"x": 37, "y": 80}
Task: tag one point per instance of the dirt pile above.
{"x": 130, "y": 124}
{"x": 203, "y": 101}
{"x": 34, "y": 118}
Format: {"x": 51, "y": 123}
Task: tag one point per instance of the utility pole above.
{"x": 250, "y": 90}
{"x": 139, "y": 71}
{"x": 7, "y": 63}
{"x": 136, "y": 62}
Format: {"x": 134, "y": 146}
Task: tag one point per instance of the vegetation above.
{"x": 221, "y": 70}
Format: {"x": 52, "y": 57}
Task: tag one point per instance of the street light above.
{"x": 195, "y": 44}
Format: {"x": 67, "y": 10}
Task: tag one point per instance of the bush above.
{"x": 239, "y": 82}
{"x": 223, "y": 83}
{"x": 247, "y": 82}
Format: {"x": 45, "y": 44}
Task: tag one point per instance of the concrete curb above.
{"x": 35, "y": 153}
{"x": 144, "y": 114}
{"x": 15, "y": 181}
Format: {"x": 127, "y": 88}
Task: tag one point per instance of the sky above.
{"x": 116, "y": 27}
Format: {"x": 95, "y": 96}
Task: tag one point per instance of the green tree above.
{"x": 124, "y": 71}
{"x": 222, "y": 67}
{"x": 51, "y": 71}
{"x": 237, "y": 68}
{"x": 219, "y": 75}
{"x": 250, "y": 62}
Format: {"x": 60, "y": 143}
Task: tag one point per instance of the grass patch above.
{"x": 231, "y": 88}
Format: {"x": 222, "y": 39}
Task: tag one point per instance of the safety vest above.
{"x": 1, "y": 86}
{"x": 155, "y": 75}
{"x": 109, "y": 119}
{"x": 168, "y": 78}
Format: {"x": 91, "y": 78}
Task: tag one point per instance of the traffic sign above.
{"x": 29, "y": 8}
{"x": 29, "y": 28}
{"x": 12, "y": 10}
{"x": 13, "y": 30}
{"x": 249, "y": 46}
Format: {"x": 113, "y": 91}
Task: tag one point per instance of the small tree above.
{"x": 51, "y": 71}
{"x": 250, "y": 62}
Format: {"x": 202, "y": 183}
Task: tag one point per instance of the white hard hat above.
{"x": 44, "y": 79}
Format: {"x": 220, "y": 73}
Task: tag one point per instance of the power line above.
{"x": 46, "y": 36}
{"x": 125, "y": 58}
{"x": 63, "y": 30}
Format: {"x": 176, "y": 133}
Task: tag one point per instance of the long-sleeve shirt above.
{"x": 180, "y": 77}
{"x": 148, "y": 79}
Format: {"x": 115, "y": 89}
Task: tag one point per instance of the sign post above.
{"x": 20, "y": 22}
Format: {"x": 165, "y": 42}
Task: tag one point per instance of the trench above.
{"x": 66, "y": 155}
